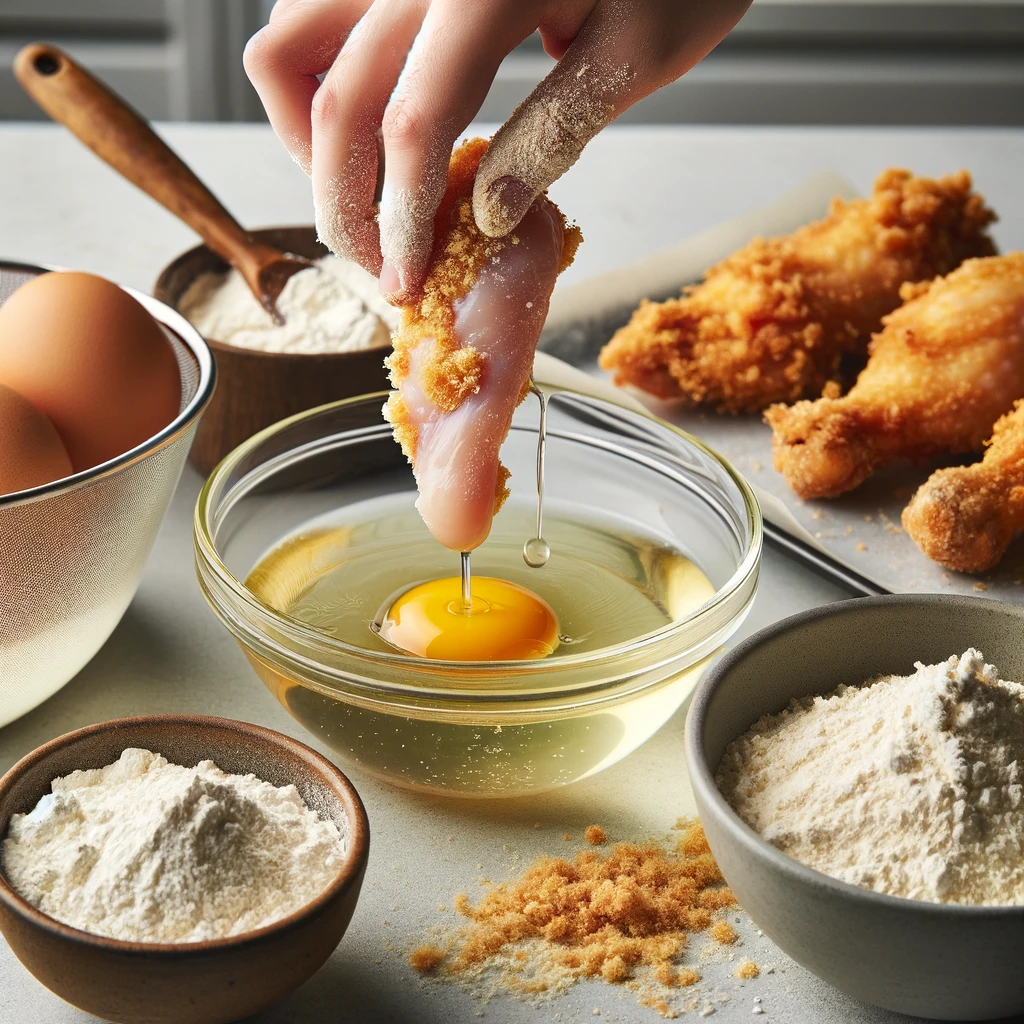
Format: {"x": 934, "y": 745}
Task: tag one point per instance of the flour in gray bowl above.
{"x": 906, "y": 785}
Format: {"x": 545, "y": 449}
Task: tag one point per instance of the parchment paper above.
{"x": 862, "y": 529}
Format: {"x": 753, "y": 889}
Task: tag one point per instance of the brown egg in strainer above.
{"x": 72, "y": 551}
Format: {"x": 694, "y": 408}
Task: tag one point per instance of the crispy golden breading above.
{"x": 965, "y": 517}
{"x": 946, "y": 365}
{"x": 771, "y": 322}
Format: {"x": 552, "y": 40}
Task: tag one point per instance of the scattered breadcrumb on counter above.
{"x": 426, "y": 958}
{"x": 624, "y": 916}
{"x": 748, "y": 970}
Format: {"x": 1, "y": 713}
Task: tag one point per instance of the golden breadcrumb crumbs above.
{"x": 615, "y": 915}
{"x": 461, "y": 250}
{"x": 724, "y": 933}
{"x": 426, "y": 959}
{"x": 748, "y": 970}
{"x": 595, "y": 835}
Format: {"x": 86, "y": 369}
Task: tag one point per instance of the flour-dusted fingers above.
{"x": 346, "y": 116}
{"x": 623, "y": 52}
{"x": 284, "y": 58}
{"x": 446, "y": 77}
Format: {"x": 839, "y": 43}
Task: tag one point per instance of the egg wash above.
{"x": 605, "y": 582}
{"x": 371, "y": 573}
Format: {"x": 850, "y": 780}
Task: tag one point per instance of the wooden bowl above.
{"x": 198, "y": 982}
{"x": 255, "y": 389}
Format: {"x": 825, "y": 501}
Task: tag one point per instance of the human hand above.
{"x": 403, "y": 79}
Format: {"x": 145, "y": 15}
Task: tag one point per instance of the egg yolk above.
{"x": 505, "y": 622}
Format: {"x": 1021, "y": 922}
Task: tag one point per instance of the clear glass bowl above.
{"x": 481, "y": 728}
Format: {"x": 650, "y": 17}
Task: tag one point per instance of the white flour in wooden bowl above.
{"x": 148, "y": 851}
{"x": 905, "y": 785}
{"x": 335, "y": 306}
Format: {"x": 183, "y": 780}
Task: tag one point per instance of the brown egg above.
{"x": 31, "y": 451}
{"x": 91, "y": 358}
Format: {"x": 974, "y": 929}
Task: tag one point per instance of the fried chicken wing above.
{"x": 945, "y": 366}
{"x": 965, "y": 517}
{"x": 771, "y": 322}
{"x": 464, "y": 352}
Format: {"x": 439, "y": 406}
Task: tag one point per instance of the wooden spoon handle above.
{"x": 118, "y": 135}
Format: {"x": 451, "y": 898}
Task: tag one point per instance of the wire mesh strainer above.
{"x": 72, "y": 552}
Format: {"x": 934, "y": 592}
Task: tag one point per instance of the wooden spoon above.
{"x": 120, "y": 136}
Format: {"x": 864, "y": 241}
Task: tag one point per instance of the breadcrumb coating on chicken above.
{"x": 771, "y": 322}
{"x": 396, "y": 412}
{"x": 461, "y": 251}
{"x": 501, "y": 488}
{"x": 965, "y": 517}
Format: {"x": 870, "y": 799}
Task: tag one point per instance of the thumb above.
{"x": 623, "y": 52}
{"x": 547, "y": 132}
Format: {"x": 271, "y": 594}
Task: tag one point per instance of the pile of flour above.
{"x": 909, "y": 786}
{"x": 334, "y": 306}
{"x": 148, "y": 851}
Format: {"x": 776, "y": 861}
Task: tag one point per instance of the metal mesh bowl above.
{"x": 72, "y": 551}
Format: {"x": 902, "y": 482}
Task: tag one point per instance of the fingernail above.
{"x": 510, "y": 199}
{"x": 390, "y": 282}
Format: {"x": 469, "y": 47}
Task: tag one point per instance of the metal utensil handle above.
{"x": 821, "y": 563}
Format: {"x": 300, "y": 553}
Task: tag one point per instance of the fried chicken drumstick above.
{"x": 771, "y": 322}
{"x": 945, "y": 366}
{"x": 463, "y": 353}
{"x": 965, "y": 517}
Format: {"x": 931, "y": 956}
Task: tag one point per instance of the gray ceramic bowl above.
{"x": 947, "y": 962}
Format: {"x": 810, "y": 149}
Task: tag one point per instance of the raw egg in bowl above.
{"x": 500, "y": 621}
{"x": 310, "y": 550}
{"x": 74, "y": 541}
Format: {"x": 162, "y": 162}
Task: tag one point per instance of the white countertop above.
{"x": 635, "y": 190}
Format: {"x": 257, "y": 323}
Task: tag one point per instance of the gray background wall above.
{"x": 788, "y": 62}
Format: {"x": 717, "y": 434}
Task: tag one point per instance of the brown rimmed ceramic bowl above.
{"x": 255, "y": 389}
{"x": 930, "y": 960}
{"x": 198, "y": 982}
